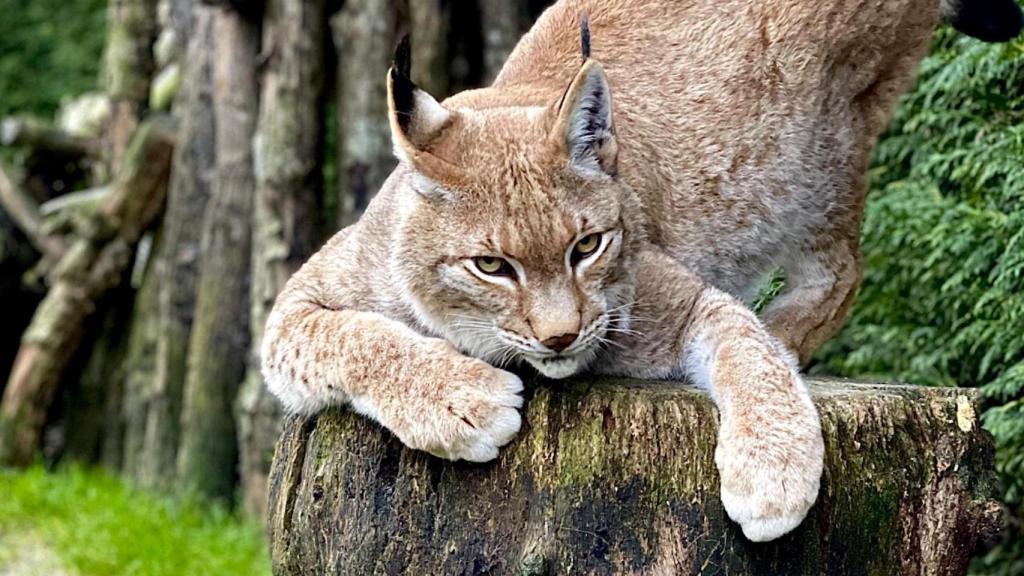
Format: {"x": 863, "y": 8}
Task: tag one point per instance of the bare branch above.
{"x": 25, "y": 132}
{"x": 24, "y": 211}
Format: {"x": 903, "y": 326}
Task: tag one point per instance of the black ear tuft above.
{"x": 585, "y": 36}
{"x": 402, "y": 60}
{"x": 402, "y": 88}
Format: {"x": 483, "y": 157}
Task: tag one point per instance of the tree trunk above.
{"x": 429, "y": 24}
{"x": 130, "y": 404}
{"x": 151, "y": 445}
{"x": 364, "y": 36}
{"x": 93, "y": 385}
{"x": 219, "y": 339}
{"x": 502, "y": 24}
{"x": 91, "y": 266}
{"x": 618, "y": 477}
{"x": 177, "y": 17}
{"x": 127, "y": 69}
{"x": 289, "y": 149}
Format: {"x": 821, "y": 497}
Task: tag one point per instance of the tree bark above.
{"x": 127, "y": 69}
{"x": 502, "y": 24}
{"x": 219, "y": 342}
{"x": 130, "y": 404}
{"x": 429, "y": 24}
{"x": 93, "y": 385}
{"x": 289, "y": 149}
{"x": 364, "y": 37}
{"x": 91, "y": 266}
{"x": 154, "y": 389}
{"x": 618, "y": 477}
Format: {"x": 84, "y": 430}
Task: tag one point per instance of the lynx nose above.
{"x": 559, "y": 343}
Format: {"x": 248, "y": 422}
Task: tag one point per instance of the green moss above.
{"x": 598, "y": 427}
{"x": 581, "y": 448}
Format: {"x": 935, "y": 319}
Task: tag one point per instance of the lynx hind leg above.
{"x": 821, "y": 282}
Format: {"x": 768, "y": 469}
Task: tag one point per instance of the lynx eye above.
{"x": 494, "y": 266}
{"x": 585, "y": 247}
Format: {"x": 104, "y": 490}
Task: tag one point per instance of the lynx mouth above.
{"x": 574, "y": 359}
{"x": 560, "y": 366}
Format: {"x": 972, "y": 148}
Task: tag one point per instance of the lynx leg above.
{"x": 770, "y": 451}
{"x": 821, "y": 283}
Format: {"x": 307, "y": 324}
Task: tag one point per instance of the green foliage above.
{"x": 943, "y": 296}
{"x": 48, "y": 49}
{"x": 98, "y": 526}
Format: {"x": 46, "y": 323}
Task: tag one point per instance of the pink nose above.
{"x": 559, "y": 343}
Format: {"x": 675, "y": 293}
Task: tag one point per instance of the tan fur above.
{"x": 739, "y": 141}
{"x": 746, "y": 129}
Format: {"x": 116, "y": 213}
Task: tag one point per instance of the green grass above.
{"x": 99, "y": 526}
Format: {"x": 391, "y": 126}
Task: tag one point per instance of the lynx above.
{"x": 607, "y": 213}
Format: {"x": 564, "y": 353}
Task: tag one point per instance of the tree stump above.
{"x": 613, "y": 476}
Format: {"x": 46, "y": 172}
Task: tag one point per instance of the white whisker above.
{"x": 602, "y": 341}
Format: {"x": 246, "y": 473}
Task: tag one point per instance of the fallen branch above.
{"x": 24, "y": 211}
{"x": 25, "y": 132}
{"x": 92, "y": 265}
{"x": 81, "y": 201}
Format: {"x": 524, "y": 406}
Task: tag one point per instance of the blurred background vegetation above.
{"x": 49, "y": 50}
{"x": 942, "y": 302}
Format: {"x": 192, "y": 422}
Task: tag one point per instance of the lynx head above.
{"x": 515, "y": 235}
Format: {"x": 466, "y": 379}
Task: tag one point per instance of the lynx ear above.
{"x": 416, "y": 118}
{"x": 584, "y": 127}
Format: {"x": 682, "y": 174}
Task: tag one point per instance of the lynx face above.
{"x": 515, "y": 242}
{"x": 545, "y": 285}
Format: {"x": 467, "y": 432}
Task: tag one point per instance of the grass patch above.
{"x": 99, "y": 526}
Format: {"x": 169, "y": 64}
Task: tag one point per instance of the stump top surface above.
{"x": 617, "y": 476}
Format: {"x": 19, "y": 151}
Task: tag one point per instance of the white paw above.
{"x": 770, "y": 476}
{"x": 477, "y": 413}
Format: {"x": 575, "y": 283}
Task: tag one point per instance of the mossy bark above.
{"x": 219, "y": 339}
{"x": 127, "y": 69}
{"x": 93, "y": 385}
{"x": 288, "y": 149}
{"x": 130, "y": 402}
{"x": 618, "y": 477}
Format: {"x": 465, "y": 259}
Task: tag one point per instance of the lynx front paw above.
{"x": 466, "y": 413}
{"x": 770, "y": 473}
